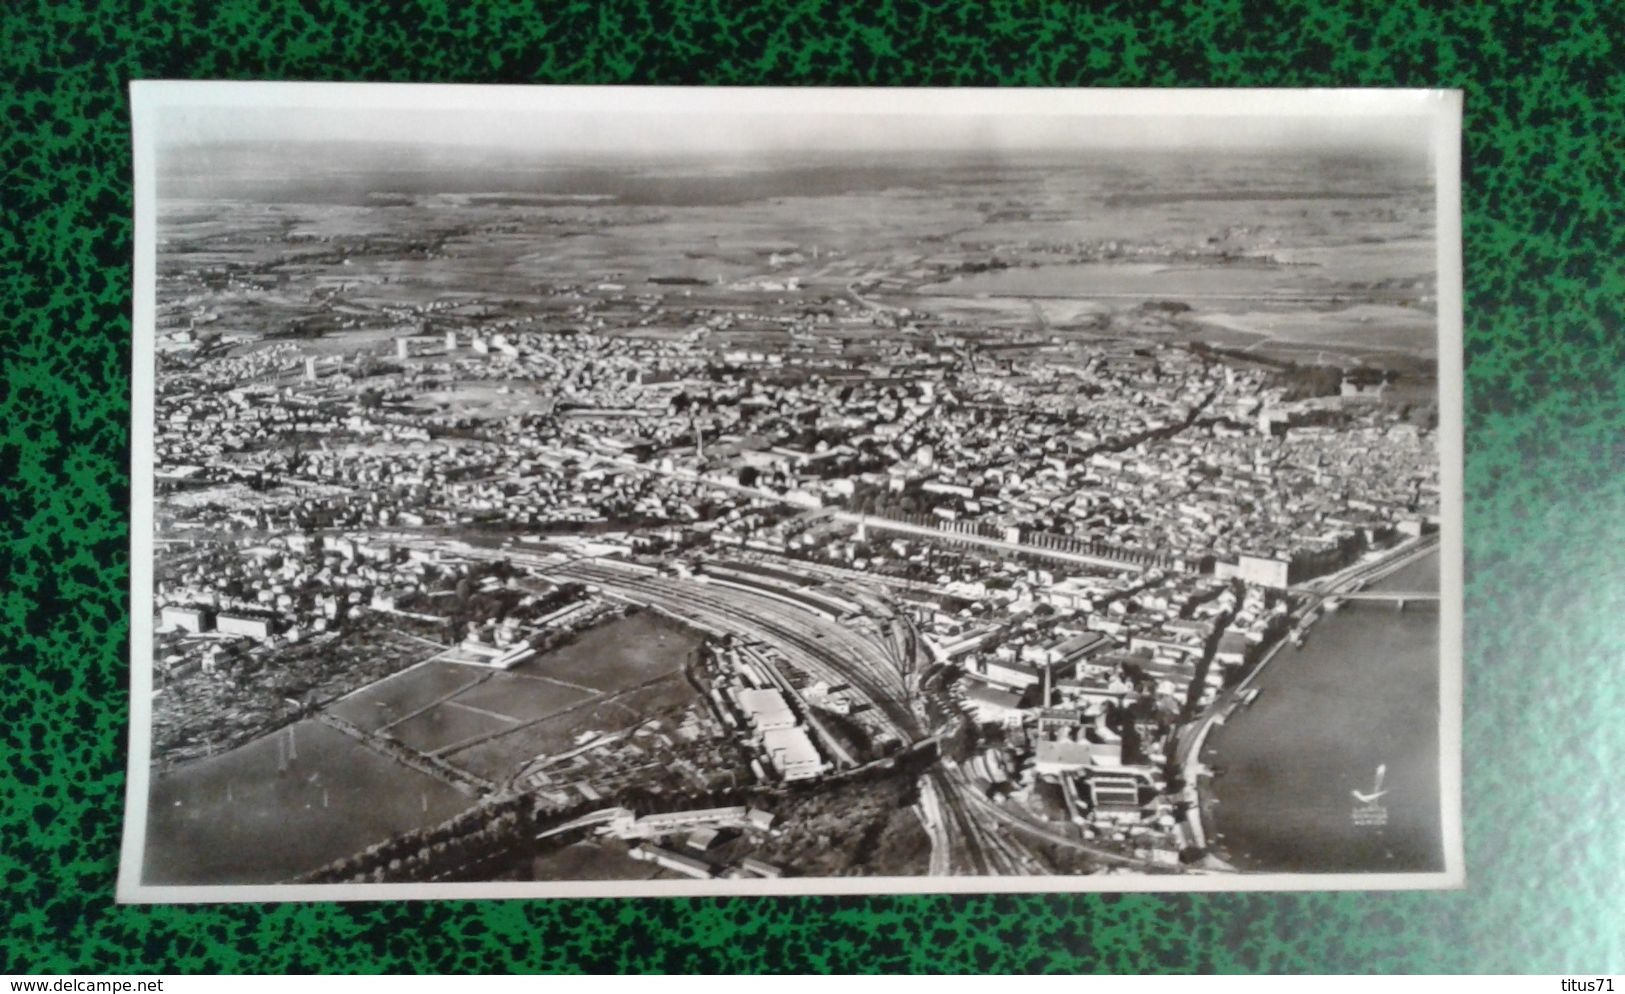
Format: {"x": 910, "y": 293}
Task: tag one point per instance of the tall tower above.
{"x": 310, "y": 368}
{"x": 699, "y": 440}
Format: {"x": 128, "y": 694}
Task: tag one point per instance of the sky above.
{"x": 614, "y": 122}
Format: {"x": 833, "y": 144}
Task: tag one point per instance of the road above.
{"x": 929, "y": 810}
{"x": 1390, "y": 595}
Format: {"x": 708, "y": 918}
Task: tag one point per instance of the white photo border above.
{"x": 1441, "y": 109}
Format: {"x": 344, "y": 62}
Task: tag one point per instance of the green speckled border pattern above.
{"x": 1545, "y": 591}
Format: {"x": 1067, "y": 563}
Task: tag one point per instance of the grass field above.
{"x": 618, "y": 655}
{"x": 1369, "y": 326}
{"x": 525, "y": 698}
{"x": 595, "y": 861}
{"x": 446, "y": 724}
{"x": 616, "y": 659}
{"x": 393, "y": 698}
{"x": 499, "y": 757}
{"x": 594, "y": 684}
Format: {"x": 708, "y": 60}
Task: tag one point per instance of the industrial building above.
{"x": 182, "y": 618}
{"x": 252, "y": 626}
{"x": 766, "y": 709}
{"x": 991, "y": 704}
{"x": 792, "y": 753}
{"x": 1113, "y": 796}
{"x": 1263, "y": 570}
{"x": 676, "y": 862}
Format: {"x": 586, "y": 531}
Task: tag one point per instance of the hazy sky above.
{"x": 614, "y": 122}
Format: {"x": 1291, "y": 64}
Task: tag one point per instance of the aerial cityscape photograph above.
{"x": 650, "y": 492}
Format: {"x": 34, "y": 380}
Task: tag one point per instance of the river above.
{"x": 266, "y": 812}
{"x": 1363, "y": 691}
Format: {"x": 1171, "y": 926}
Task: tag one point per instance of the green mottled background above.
{"x": 1545, "y": 100}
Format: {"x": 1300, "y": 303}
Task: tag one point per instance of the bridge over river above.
{"x": 1401, "y": 596}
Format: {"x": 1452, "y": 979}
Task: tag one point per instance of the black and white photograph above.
{"x": 557, "y": 491}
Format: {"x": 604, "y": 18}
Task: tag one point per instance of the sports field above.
{"x": 618, "y": 655}
{"x": 491, "y": 722}
{"x": 397, "y": 697}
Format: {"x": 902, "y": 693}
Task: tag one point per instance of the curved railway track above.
{"x": 824, "y": 648}
{"x": 878, "y": 669}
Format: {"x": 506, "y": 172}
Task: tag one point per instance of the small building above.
{"x": 1232, "y": 650}
{"x": 1063, "y": 742}
{"x": 673, "y": 821}
{"x": 1081, "y": 647}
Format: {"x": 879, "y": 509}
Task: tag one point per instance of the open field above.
{"x": 523, "y": 698}
{"x": 611, "y": 677}
{"x": 488, "y": 400}
{"x": 1368, "y": 326}
{"x": 1015, "y": 311}
{"x": 233, "y": 818}
{"x": 618, "y": 655}
{"x": 593, "y": 860}
{"x": 501, "y": 756}
{"x": 199, "y": 713}
{"x": 396, "y": 697}
{"x": 444, "y": 725}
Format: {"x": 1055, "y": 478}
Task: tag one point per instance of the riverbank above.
{"x": 1362, "y": 692}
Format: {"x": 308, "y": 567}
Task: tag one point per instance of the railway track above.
{"x": 953, "y": 806}
{"x": 879, "y": 669}
{"x": 1100, "y": 853}
{"x": 825, "y": 649}
{"x": 828, "y": 651}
